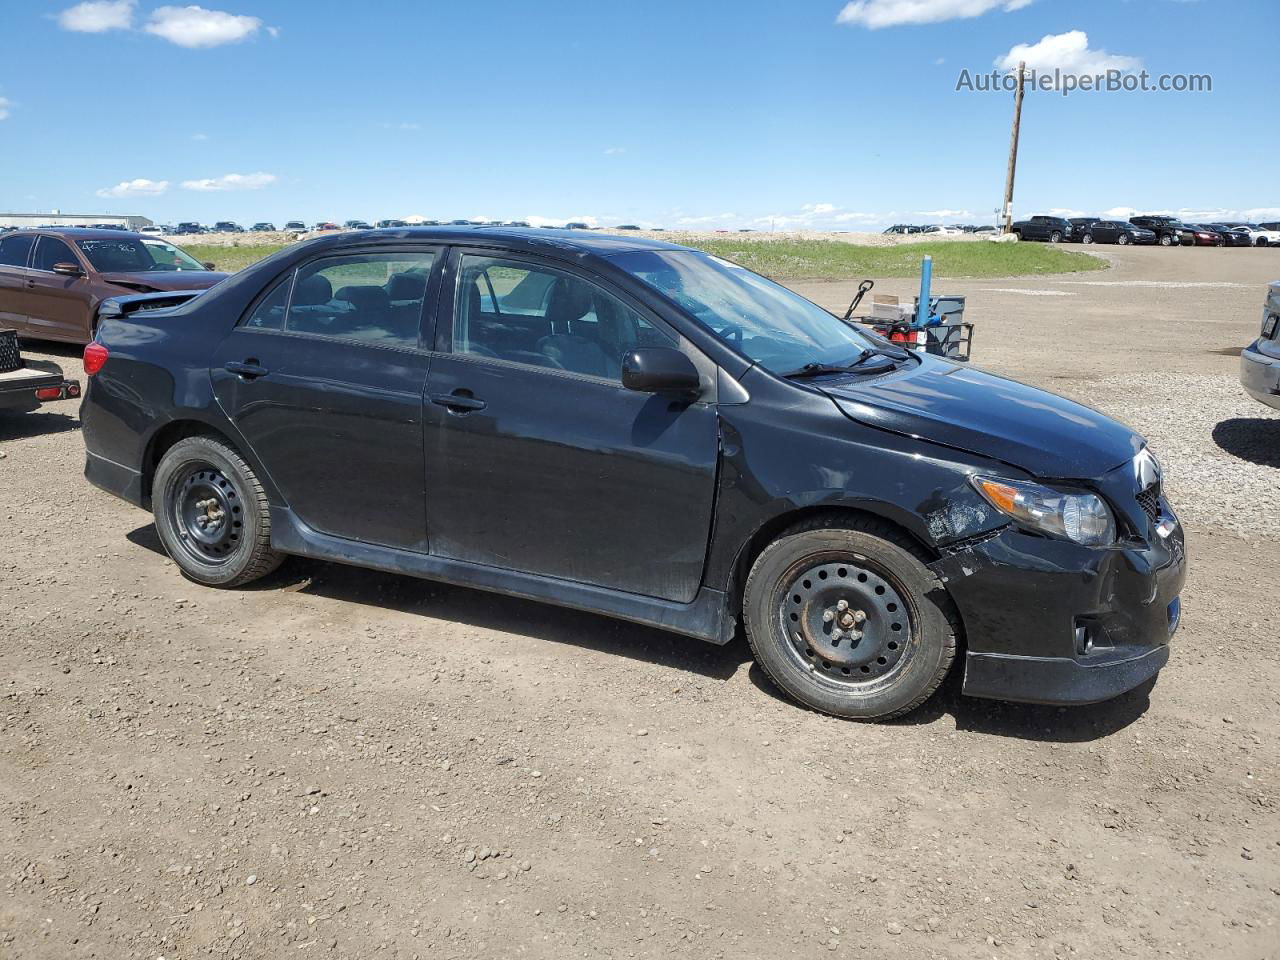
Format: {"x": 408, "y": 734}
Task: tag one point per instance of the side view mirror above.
{"x": 210, "y": 265}
{"x": 660, "y": 370}
{"x": 68, "y": 269}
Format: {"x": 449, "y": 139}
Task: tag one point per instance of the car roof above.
{"x": 85, "y": 233}
{"x": 529, "y": 239}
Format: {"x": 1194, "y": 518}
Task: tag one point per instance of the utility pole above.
{"x": 1013, "y": 149}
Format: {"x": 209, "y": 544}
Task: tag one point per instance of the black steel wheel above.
{"x": 212, "y": 513}
{"x": 848, "y": 619}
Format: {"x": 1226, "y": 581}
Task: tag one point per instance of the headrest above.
{"x": 407, "y": 286}
{"x": 314, "y": 290}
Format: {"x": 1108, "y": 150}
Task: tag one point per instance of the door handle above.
{"x": 30, "y": 283}
{"x": 249, "y": 369}
{"x": 458, "y": 402}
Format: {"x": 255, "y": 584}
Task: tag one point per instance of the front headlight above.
{"x": 1075, "y": 515}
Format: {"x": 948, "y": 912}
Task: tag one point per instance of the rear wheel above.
{"x": 849, "y": 620}
{"x": 1087, "y": 238}
{"x": 1166, "y": 240}
{"x": 212, "y": 514}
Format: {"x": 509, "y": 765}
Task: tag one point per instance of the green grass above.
{"x": 229, "y": 259}
{"x": 821, "y": 259}
{"x": 836, "y": 260}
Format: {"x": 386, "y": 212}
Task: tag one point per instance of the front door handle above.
{"x": 249, "y": 369}
{"x": 458, "y": 402}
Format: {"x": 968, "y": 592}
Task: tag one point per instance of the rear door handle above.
{"x": 458, "y": 401}
{"x": 248, "y": 369}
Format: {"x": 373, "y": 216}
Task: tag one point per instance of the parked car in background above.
{"x": 577, "y": 225}
{"x": 474, "y": 406}
{"x": 227, "y": 226}
{"x": 903, "y": 229}
{"x": 1078, "y": 227}
{"x": 1204, "y": 236}
{"x": 1260, "y": 235}
{"x": 263, "y": 226}
{"x": 627, "y": 226}
{"x": 510, "y": 223}
{"x": 940, "y": 230}
{"x": 188, "y": 228}
{"x": 1121, "y": 232}
{"x": 51, "y": 281}
{"x": 460, "y": 223}
{"x": 324, "y": 226}
{"x": 356, "y": 225}
{"x": 385, "y": 224}
{"x": 295, "y": 226}
{"x": 1260, "y": 361}
{"x": 1270, "y": 225}
{"x": 152, "y": 231}
{"x": 1230, "y": 236}
{"x": 1169, "y": 231}
{"x": 1049, "y": 229}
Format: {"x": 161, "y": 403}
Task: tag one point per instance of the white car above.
{"x": 944, "y": 231}
{"x": 1261, "y": 236}
{"x": 152, "y": 231}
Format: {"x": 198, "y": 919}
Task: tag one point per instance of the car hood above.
{"x": 1044, "y": 434}
{"x": 167, "y": 279}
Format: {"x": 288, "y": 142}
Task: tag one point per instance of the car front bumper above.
{"x": 1048, "y": 621}
{"x": 1260, "y": 376}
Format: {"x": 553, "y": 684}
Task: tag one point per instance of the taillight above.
{"x": 95, "y": 358}
{"x": 49, "y": 393}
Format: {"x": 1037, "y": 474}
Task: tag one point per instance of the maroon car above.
{"x": 51, "y": 281}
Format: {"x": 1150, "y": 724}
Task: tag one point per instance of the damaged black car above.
{"x": 652, "y": 433}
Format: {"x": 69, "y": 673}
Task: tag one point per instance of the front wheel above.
{"x": 212, "y": 513}
{"x": 1055, "y": 237}
{"x": 848, "y": 619}
{"x": 1123, "y": 239}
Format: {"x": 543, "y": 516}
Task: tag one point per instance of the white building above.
{"x": 71, "y": 220}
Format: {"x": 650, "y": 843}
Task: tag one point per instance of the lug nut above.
{"x": 842, "y": 606}
{"x": 859, "y": 616}
{"x": 827, "y": 616}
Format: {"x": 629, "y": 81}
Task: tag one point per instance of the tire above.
{"x": 879, "y": 657}
{"x": 1055, "y": 237}
{"x": 1087, "y": 238}
{"x": 1017, "y": 234}
{"x": 1166, "y": 240}
{"x": 212, "y": 514}
{"x": 1260, "y": 242}
{"x": 1123, "y": 239}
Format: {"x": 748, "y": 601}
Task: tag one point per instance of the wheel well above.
{"x": 771, "y": 530}
{"x": 164, "y": 439}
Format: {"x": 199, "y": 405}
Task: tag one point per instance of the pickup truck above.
{"x": 25, "y": 384}
{"x": 1052, "y": 229}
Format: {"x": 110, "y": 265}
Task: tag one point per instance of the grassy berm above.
{"x": 803, "y": 259}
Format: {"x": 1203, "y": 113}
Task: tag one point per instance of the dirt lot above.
{"x": 351, "y": 764}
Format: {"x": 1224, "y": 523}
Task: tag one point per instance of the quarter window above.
{"x": 376, "y": 298}
{"x": 269, "y": 313}
{"x": 51, "y": 250}
{"x": 15, "y": 249}
{"x": 543, "y": 317}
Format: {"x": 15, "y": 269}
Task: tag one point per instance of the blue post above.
{"x": 926, "y": 281}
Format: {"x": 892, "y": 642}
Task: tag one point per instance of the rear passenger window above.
{"x": 543, "y": 317}
{"x": 375, "y": 298}
{"x": 15, "y": 249}
{"x": 269, "y": 313}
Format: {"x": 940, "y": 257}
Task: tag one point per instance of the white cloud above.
{"x": 709, "y": 218}
{"x": 614, "y": 151}
{"x": 140, "y": 187}
{"x": 232, "y": 181}
{"x": 98, "y": 16}
{"x": 403, "y": 125}
{"x": 874, "y": 14}
{"x": 1068, "y": 52}
{"x": 200, "y": 137}
{"x": 816, "y": 216}
{"x": 5, "y": 103}
{"x": 1065, "y": 212}
{"x": 197, "y": 27}
{"x": 945, "y": 214}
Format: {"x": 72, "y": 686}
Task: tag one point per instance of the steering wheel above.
{"x": 732, "y": 333}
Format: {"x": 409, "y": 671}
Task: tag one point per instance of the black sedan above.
{"x": 1118, "y": 231}
{"x": 1231, "y": 236}
{"x": 650, "y": 432}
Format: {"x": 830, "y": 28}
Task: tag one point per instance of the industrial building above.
{"x": 57, "y": 219}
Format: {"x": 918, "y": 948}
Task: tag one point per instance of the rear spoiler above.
{"x": 163, "y": 300}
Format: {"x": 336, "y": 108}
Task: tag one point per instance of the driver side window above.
{"x": 542, "y": 317}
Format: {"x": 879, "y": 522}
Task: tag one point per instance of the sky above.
{"x": 714, "y": 114}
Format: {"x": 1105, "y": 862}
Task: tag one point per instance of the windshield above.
{"x": 762, "y": 320}
{"x": 127, "y": 255}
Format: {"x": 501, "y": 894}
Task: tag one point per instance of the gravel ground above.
{"x": 341, "y": 763}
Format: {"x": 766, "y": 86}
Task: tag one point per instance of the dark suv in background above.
{"x": 1169, "y": 231}
{"x": 1051, "y": 229}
